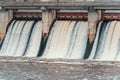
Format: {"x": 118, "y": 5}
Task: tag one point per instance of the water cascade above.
{"x": 68, "y": 39}
{"x": 107, "y": 42}
{"x": 23, "y": 38}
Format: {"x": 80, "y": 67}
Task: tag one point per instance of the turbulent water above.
{"x": 67, "y": 39}
{"x": 23, "y": 38}
{"x": 107, "y": 42}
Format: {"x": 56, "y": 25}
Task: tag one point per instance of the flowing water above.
{"x": 67, "y": 39}
{"x": 107, "y": 42}
{"x": 23, "y": 38}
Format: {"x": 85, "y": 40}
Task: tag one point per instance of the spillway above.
{"x": 107, "y": 42}
{"x": 68, "y": 39}
{"x": 23, "y": 38}
{"x": 59, "y": 40}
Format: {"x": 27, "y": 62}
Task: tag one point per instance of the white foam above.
{"x": 35, "y": 40}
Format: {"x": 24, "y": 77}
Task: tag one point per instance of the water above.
{"x": 107, "y": 42}
{"x": 67, "y": 39}
{"x": 23, "y": 38}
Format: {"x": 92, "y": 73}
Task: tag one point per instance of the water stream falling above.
{"x": 107, "y": 42}
{"x": 23, "y": 38}
{"x": 67, "y": 39}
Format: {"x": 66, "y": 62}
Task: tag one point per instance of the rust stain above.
{"x": 1, "y": 37}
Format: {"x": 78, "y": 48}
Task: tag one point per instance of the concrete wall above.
{"x": 5, "y": 17}
{"x": 23, "y": 68}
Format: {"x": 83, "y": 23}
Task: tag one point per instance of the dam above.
{"x": 59, "y": 39}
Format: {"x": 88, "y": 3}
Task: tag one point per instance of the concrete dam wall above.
{"x": 50, "y": 45}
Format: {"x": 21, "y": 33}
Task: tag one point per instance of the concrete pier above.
{"x": 48, "y": 17}
{"x": 5, "y": 18}
{"x": 93, "y": 19}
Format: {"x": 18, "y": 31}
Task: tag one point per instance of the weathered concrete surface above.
{"x": 57, "y": 69}
{"x": 60, "y": 4}
{"x": 48, "y": 17}
{"x": 5, "y": 18}
{"x": 93, "y": 18}
{"x": 1, "y": 36}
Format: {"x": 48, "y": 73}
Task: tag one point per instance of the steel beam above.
{"x": 107, "y": 8}
{"x": 65, "y": 16}
{"x": 22, "y": 8}
{"x": 84, "y": 16}
{"x": 72, "y": 16}
{"x": 27, "y": 15}
{"x": 111, "y": 16}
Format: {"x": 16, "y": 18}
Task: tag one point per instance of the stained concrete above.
{"x": 5, "y": 17}
{"x": 48, "y": 18}
{"x": 23, "y": 68}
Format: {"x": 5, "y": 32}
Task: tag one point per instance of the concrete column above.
{"x": 93, "y": 19}
{"x": 48, "y": 17}
{"x": 100, "y": 14}
{"x": 5, "y": 18}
